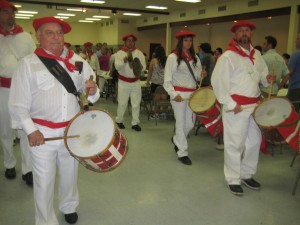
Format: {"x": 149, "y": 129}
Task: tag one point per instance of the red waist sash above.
{"x": 243, "y": 100}
{"x": 50, "y": 124}
{"x": 128, "y": 79}
{"x": 184, "y": 89}
{"x": 5, "y": 82}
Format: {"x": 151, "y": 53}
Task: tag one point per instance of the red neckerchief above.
{"x": 88, "y": 54}
{"x": 70, "y": 66}
{"x": 183, "y": 55}
{"x": 125, "y": 49}
{"x": 17, "y": 29}
{"x": 233, "y": 46}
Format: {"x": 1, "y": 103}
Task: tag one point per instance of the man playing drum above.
{"x": 235, "y": 81}
{"x": 40, "y": 103}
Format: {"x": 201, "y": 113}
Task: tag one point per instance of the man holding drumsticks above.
{"x": 235, "y": 80}
{"x": 42, "y": 104}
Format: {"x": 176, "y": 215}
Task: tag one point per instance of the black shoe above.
{"x": 236, "y": 189}
{"x": 175, "y": 147}
{"x": 28, "y": 178}
{"x": 10, "y": 173}
{"x": 91, "y": 104}
{"x": 136, "y": 127}
{"x": 121, "y": 125}
{"x": 251, "y": 183}
{"x": 185, "y": 160}
{"x": 71, "y": 218}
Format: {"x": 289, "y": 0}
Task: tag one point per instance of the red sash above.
{"x": 243, "y": 100}
{"x": 128, "y": 79}
{"x": 5, "y": 82}
{"x": 184, "y": 89}
{"x": 50, "y": 124}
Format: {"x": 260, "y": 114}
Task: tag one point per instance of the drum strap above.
{"x": 60, "y": 74}
{"x": 190, "y": 69}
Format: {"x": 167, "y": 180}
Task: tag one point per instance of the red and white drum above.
{"x": 101, "y": 147}
{"x": 278, "y": 113}
{"x": 204, "y": 103}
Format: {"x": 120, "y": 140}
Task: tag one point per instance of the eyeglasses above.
{"x": 51, "y": 34}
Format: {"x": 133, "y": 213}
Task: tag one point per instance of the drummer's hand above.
{"x": 91, "y": 86}
{"x": 125, "y": 59}
{"x": 178, "y": 98}
{"x": 203, "y": 73}
{"x": 238, "y": 108}
{"x": 36, "y": 138}
{"x": 271, "y": 78}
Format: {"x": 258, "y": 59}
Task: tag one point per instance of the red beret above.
{"x": 129, "y": 35}
{"x": 185, "y": 33}
{"x": 242, "y": 23}
{"x": 40, "y": 21}
{"x": 4, "y": 4}
{"x": 88, "y": 44}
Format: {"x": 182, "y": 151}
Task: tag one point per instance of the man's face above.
{"x": 7, "y": 17}
{"x": 243, "y": 35}
{"x": 51, "y": 38}
{"x": 129, "y": 43}
{"x": 265, "y": 46}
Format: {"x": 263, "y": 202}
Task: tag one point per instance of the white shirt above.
{"x": 36, "y": 93}
{"x": 234, "y": 74}
{"x": 94, "y": 62}
{"x": 180, "y": 75}
{"x": 12, "y": 49}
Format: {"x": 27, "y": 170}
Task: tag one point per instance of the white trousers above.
{"x": 101, "y": 81}
{"x": 7, "y": 136}
{"x": 185, "y": 119}
{"x": 45, "y": 159}
{"x": 242, "y": 138}
{"x": 134, "y": 92}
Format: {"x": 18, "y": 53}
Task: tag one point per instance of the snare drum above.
{"x": 202, "y": 100}
{"x": 278, "y": 113}
{"x": 101, "y": 147}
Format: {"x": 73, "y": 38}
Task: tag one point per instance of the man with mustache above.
{"x": 235, "y": 80}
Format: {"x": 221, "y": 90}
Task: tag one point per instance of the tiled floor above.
{"x": 151, "y": 187}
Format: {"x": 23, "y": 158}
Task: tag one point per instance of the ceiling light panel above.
{"x": 93, "y": 1}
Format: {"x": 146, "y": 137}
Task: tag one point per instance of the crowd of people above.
{"x": 39, "y": 94}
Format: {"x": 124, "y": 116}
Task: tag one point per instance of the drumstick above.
{"x": 201, "y": 78}
{"x": 245, "y": 107}
{"x": 271, "y": 84}
{"x": 59, "y": 138}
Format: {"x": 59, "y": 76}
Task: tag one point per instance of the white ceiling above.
{"x": 52, "y": 7}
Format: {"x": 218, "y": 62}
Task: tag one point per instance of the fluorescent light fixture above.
{"x": 26, "y": 15}
{"x": 95, "y": 19}
{"x": 132, "y": 14}
{"x": 102, "y": 17}
{"x": 85, "y": 21}
{"x": 61, "y": 17}
{"x": 65, "y": 14}
{"x": 78, "y": 10}
{"x": 190, "y": 1}
{"x": 93, "y": 1}
{"x": 18, "y": 6}
{"x": 28, "y": 12}
{"x": 156, "y": 7}
{"x": 22, "y": 17}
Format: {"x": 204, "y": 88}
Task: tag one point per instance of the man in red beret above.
{"x": 43, "y": 99}
{"x": 129, "y": 85}
{"x": 92, "y": 59}
{"x": 235, "y": 81}
{"x": 14, "y": 45}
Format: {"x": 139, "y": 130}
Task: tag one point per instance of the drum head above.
{"x": 202, "y": 100}
{"x": 96, "y": 129}
{"x": 272, "y": 112}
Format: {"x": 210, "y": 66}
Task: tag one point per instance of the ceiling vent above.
{"x": 182, "y": 15}
{"x": 155, "y": 18}
{"x": 253, "y": 3}
{"x": 145, "y": 20}
{"x": 222, "y": 8}
{"x": 125, "y": 21}
{"x": 201, "y": 11}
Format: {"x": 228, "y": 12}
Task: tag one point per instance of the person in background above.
{"x": 156, "y": 76}
{"x": 259, "y": 48}
{"x": 218, "y": 52}
{"x": 104, "y": 67}
{"x": 78, "y": 49}
{"x": 98, "y": 49}
{"x": 286, "y": 58}
{"x": 180, "y": 83}
{"x": 276, "y": 65}
{"x": 235, "y": 81}
{"x": 14, "y": 45}
{"x": 207, "y": 62}
{"x": 43, "y": 107}
{"x": 129, "y": 85}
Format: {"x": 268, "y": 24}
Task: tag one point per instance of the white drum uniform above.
{"x": 13, "y": 48}
{"x": 237, "y": 75}
{"x": 128, "y": 85}
{"x": 37, "y": 94}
